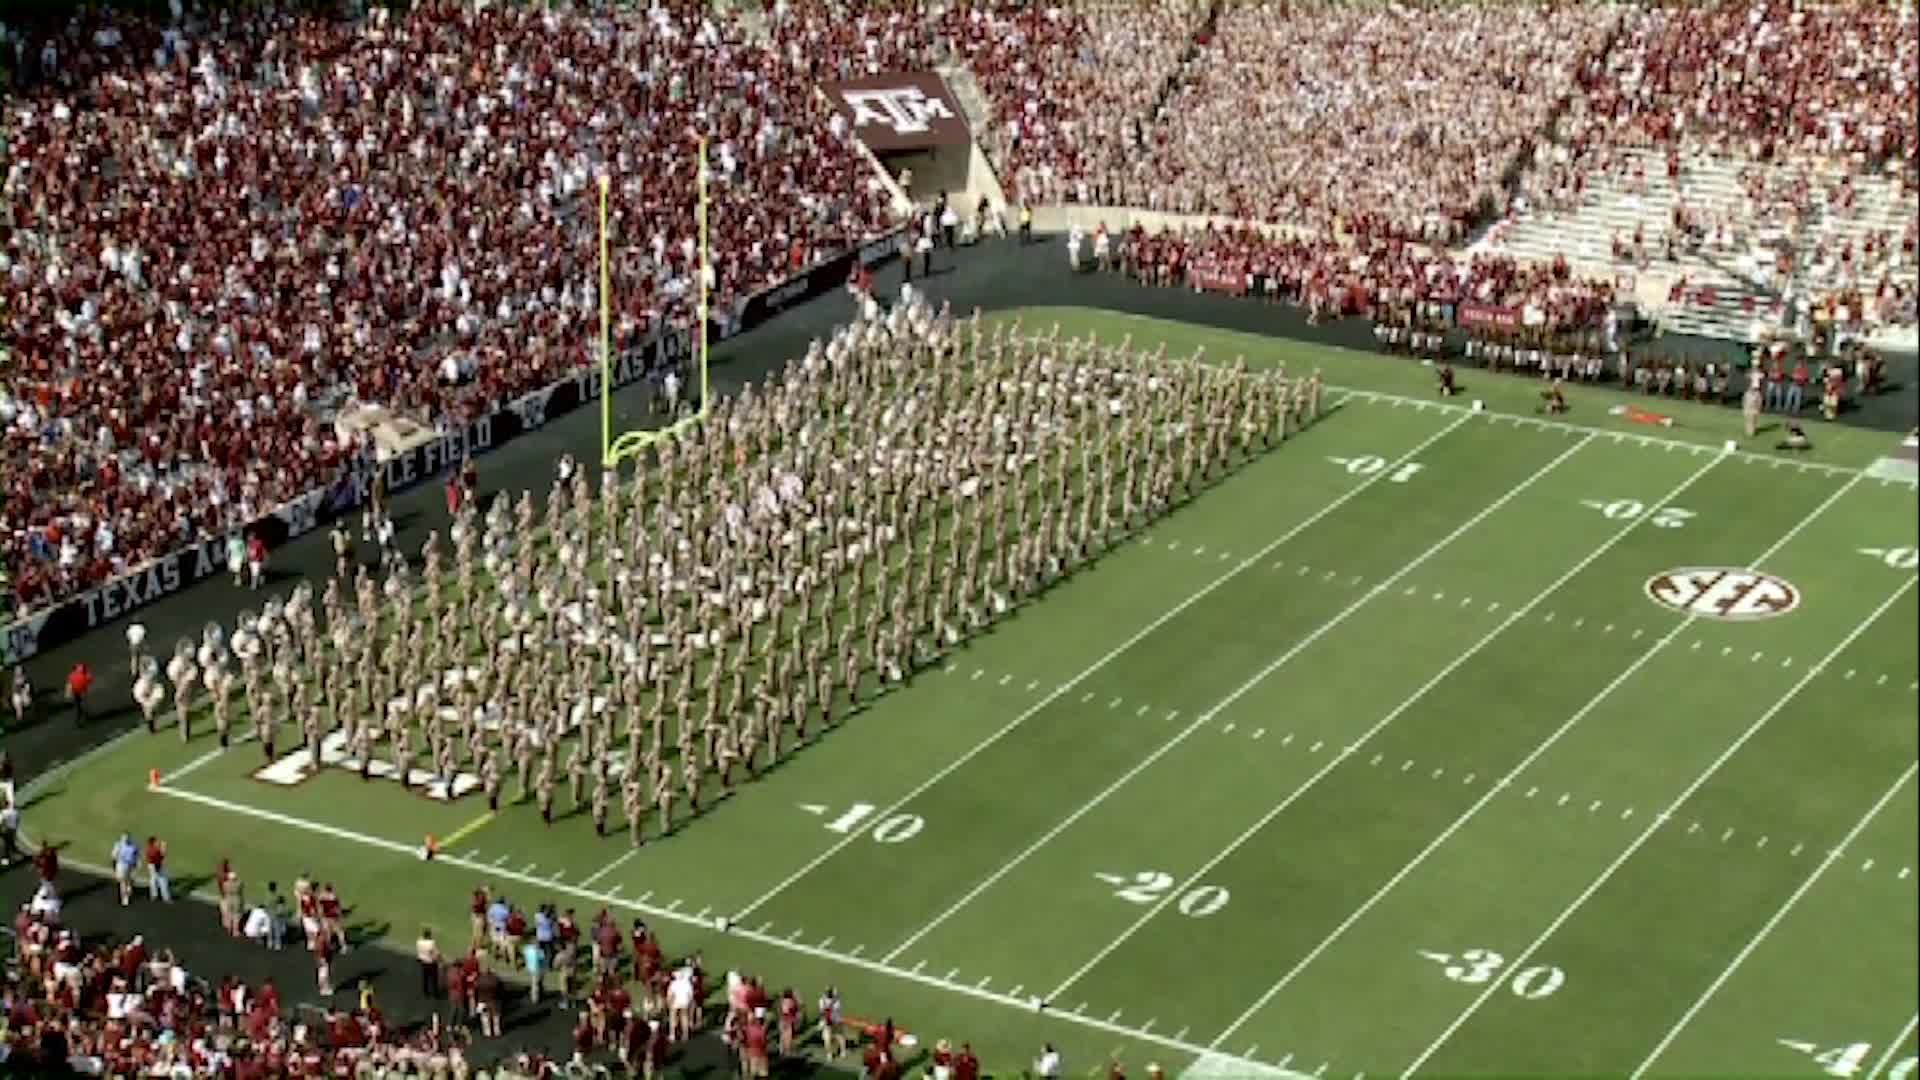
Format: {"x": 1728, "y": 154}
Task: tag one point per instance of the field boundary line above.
{"x": 1659, "y": 820}
{"x": 1506, "y": 780}
{"x": 1058, "y": 692}
{"x": 1502, "y": 627}
{"x": 1260, "y": 676}
{"x": 193, "y": 766}
{"x": 1535, "y": 421}
{"x": 684, "y": 918}
{"x": 1779, "y": 914}
{"x": 1898, "y": 1044}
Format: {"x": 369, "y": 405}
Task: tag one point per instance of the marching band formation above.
{"x": 815, "y": 541}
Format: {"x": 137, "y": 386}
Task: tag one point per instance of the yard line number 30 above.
{"x": 1477, "y": 966}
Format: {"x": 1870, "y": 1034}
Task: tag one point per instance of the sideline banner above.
{"x": 1475, "y": 314}
{"x": 347, "y": 492}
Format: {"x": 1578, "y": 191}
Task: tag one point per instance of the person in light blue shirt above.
{"x": 544, "y": 930}
{"x": 536, "y": 969}
{"x": 497, "y": 914}
{"x": 126, "y": 856}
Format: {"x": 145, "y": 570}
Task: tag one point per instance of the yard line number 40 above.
{"x": 1477, "y": 966}
{"x": 1846, "y": 1060}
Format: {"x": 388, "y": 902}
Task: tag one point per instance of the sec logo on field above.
{"x": 1719, "y": 592}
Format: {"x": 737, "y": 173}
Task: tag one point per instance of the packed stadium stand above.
{"x": 259, "y": 219}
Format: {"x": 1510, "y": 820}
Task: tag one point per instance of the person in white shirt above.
{"x": 1048, "y": 1064}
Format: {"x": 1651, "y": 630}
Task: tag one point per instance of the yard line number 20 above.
{"x": 1149, "y": 886}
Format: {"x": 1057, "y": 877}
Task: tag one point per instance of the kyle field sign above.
{"x": 908, "y": 110}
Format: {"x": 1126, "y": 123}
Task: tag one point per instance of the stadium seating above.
{"x": 248, "y": 227}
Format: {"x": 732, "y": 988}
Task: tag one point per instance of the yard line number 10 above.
{"x": 1370, "y": 464}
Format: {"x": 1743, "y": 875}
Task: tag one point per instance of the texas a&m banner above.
{"x": 903, "y": 110}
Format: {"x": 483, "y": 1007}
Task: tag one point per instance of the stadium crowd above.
{"x": 73, "y": 1002}
{"x": 245, "y": 225}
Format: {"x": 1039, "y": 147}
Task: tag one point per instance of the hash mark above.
{"x": 1088, "y": 697}
{"x": 1278, "y": 563}
{"x": 1696, "y": 646}
{"x": 1693, "y": 828}
{"x": 978, "y": 672}
{"x": 1260, "y": 733}
{"x": 1228, "y": 728}
{"x": 1180, "y": 1036}
{"x": 1761, "y": 845}
{"x": 645, "y": 896}
{"x": 1005, "y": 679}
{"x": 1223, "y": 556}
{"x": 1315, "y": 748}
{"x": 1032, "y": 686}
{"x": 1608, "y": 629}
{"x": 675, "y": 906}
{"x": 1331, "y": 574}
{"x": 951, "y": 668}
{"x": 1376, "y": 759}
{"x": 1437, "y": 772}
{"x": 703, "y": 913}
{"x": 1304, "y": 571}
{"x": 1881, "y": 681}
{"x": 1439, "y": 596}
{"x": 1495, "y": 606}
{"x": 1015, "y": 992}
{"x": 1595, "y": 806}
{"x": 1173, "y": 715}
{"x": 1726, "y": 836}
{"x": 1408, "y": 765}
{"x": 1866, "y": 866}
{"x": 1756, "y": 657}
{"x": 857, "y": 950}
{"x": 951, "y": 974}
{"x": 1726, "y": 650}
{"x": 1287, "y": 740}
{"x": 1797, "y": 848}
{"x": 766, "y": 926}
{"x": 1115, "y": 1017}
{"x": 1142, "y": 710}
{"x": 982, "y": 984}
{"x": 1466, "y": 601}
{"x": 1565, "y": 797}
{"x": 918, "y": 965}
{"x": 1788, "y": 662}
{"x": 1532, "y": 791}
{"x": 1636, "y": 633}
{"x": 1413, "y": 590}
{"x": 1355, "y": 581}
{"x": 1579, "y": 622}
{"x": 1849, "y": 673}
{"x": 1114, "y": 704}
{"x": 1627, "y": 813}
{"x": 1904, "y": 871}
{"x": 1549, "y": 617}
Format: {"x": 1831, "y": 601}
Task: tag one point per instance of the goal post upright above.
{"x": 615, "y": 450}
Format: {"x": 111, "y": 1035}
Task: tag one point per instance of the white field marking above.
{"x": 1142, "y": 710}
{"x": 191, "y": 766}
{"x": 1396, "y": 400}
{"x": 856, "y": 950}
{"x": 1898, "y": 1044}
{"x": 1700, "y": 781}
{"x": 1492, "y": 791}
{"x": 1565, "y": 796}
{"x": 1238, "y": 692}
{"x": 1228, "y": 728}
{"x": 703, "y": 913}
{"x": 527, "y": 870}
{"x": 609, "y": 868}
{"x": 951, "y": 668}
{"x": 646, "y": 896}
{"x": 502, "y": 860}
{"x": 978, "y": 672}
{"x": 1139, "y": 635}
{"x": 1768, "y": 927}
{"x": 1005, "y": 679}
{"x": 764, "y": 927}
{"x": 1086, "y": 697}
{"x": 410, "y": 852}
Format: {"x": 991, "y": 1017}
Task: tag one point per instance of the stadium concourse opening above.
{"x": 1198, "y": 614}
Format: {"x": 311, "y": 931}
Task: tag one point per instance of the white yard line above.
{"x": 1138, "y": 636}
{"x": 610, "y": 867}
{"x": 1740, "y": 958}
{"x": 1204, "y": 718}
{"x": 410, "y": 851}
{"x": 1493, "y": 790}
{"x": 192, "y": 766}
{"x": 1646, "y": 834}
{"x": 1898, "y": 1044}
{"x": 1334, "y": 762}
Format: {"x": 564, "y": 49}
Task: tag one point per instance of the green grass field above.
{"x": 1436, "y": 740}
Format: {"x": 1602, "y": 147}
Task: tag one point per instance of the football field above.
{"x": 1437, "y": 740}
